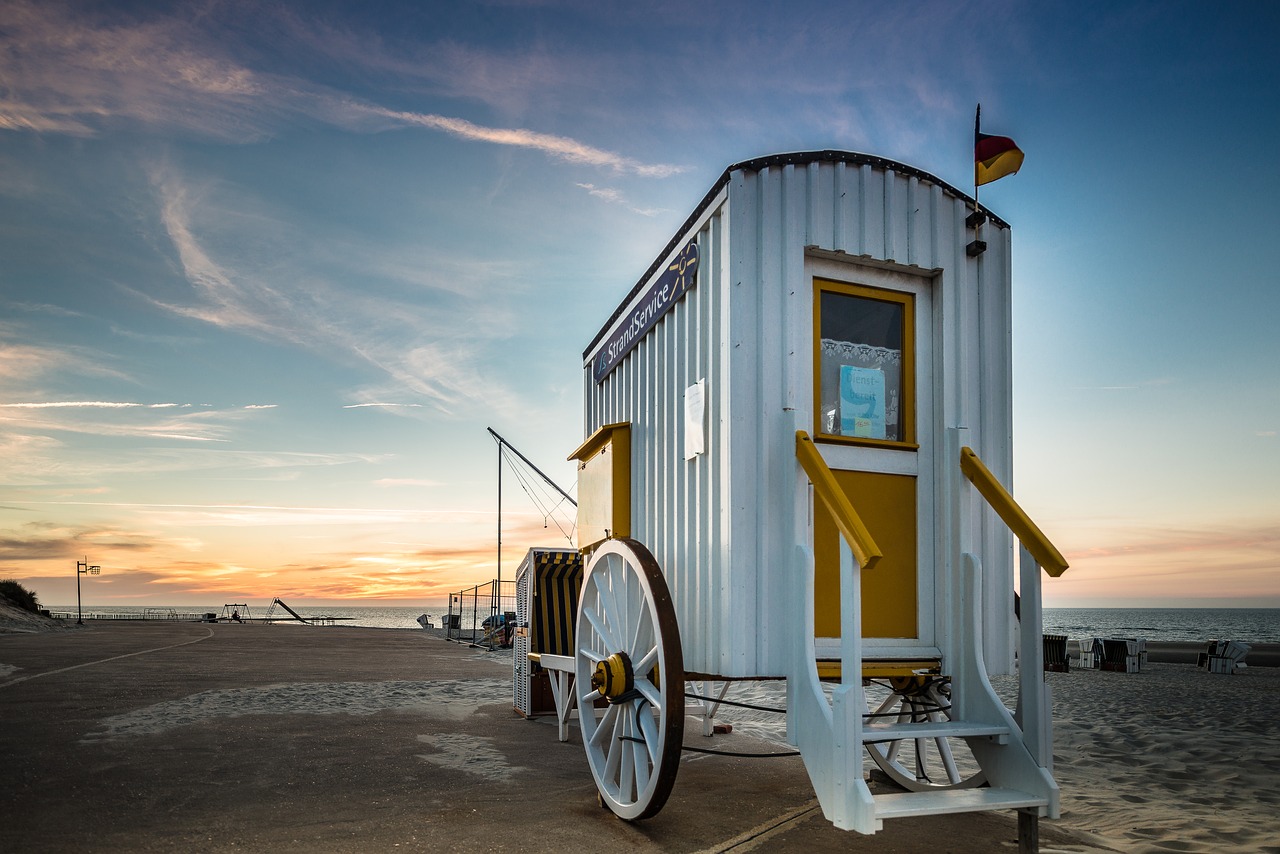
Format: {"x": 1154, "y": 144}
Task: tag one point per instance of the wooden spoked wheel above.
{"x": 921, "y": 764}
{"x": 628, "y": 655}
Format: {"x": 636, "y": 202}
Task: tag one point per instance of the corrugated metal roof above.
{"x": 798, "y": 158}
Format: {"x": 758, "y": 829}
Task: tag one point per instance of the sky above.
{"x": 269, "y": 270}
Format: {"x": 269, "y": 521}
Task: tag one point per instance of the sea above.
{"x": 1250, "y": 625}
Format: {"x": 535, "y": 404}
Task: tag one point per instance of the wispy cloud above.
{"x": 70, "y": 74}
{"x": 616, "y": 197}
{"x": 38, "y": 446}
{"x": 40, "y": 541}
{"x": 430, "y": 348}
{"x": 187, "y": 422}
{"x": 225, "y": 299}
{"x": 257, "y": 515}
{"x": 184, "y": 430}
{"x": 96, "y": 404}
{"x": 560, "y": 147}
{"x": 67, "y": 73}
{"x": 35, "y": 458}
{"x": 26, "y": 362}
{"x": 383, "y": 405}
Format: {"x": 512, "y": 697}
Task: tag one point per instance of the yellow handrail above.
{"x": 865, "y": 550}
{"x": 1013, "y": 515}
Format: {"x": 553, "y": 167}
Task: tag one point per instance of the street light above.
{"x": 83, "y": 568}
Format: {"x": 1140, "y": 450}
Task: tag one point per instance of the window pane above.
{"x": 860, "y": 365}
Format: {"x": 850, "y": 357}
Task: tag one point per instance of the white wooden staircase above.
{"x": 832, "y": 734}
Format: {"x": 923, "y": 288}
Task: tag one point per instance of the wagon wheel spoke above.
{"x": 640, "y": 760}
{"x": 646, "y": 662}
{"x": 650, "y": 692}
{"x": 948, "y": 759}
{"x": 600, "y": 629}
{"x": 606, "y": 724}
{"x": 628, "y": 654}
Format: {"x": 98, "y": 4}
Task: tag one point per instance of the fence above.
{"x": 483, "y": 615}
{"x": 169, "y": 614}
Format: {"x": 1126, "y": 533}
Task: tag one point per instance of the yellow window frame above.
{"x": 907, "y": 411}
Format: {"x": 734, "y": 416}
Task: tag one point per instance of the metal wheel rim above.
{"x": 633, "y": 748}
{"x": 922, "y": 764}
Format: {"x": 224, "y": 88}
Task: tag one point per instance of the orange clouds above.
{"x": 1144, "y": 564}
{"x": 162, "y": 569}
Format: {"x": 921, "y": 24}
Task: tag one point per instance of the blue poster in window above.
{"x": 862, "y": 402}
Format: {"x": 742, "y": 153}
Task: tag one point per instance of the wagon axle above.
{"x": 613, "y": 677}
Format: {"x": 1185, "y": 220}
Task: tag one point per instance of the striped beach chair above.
{"x": 1055, "y": 654}
{"x": 547, "y": 588}
{"x": 1120, "y": 655}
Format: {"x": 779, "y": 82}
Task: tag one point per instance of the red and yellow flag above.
{"x": 993, "y": 156}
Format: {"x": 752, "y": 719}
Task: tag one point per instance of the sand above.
{"x": 14, "y": 620}
{"x": 1170, "y": 759}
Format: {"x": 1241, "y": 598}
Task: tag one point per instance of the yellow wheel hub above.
{"x": 910, "y": 686}
{"x": 613, "y": 676}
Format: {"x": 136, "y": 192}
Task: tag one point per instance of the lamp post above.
{"x": 83, "y": 568}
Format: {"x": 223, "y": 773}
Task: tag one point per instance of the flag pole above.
{"x": 977, "y": 130}
{"x": 994, "y": 157}
{"x": 975, "y": 220}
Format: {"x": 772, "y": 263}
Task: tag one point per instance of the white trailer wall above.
{"x": 724, "y": 525}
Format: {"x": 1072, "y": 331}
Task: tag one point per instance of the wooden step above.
{"x": 885, "y": 730}
{"x": 912, "y": 804}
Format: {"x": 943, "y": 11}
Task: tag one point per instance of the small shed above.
{"x": 850, "y": 296}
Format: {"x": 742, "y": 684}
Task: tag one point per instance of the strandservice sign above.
{"x": 679, "y": 277}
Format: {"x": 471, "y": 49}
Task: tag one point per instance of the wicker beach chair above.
{"x": 1223, "y": 656}
{"x": 1090, "y": 653}
{"x": 1055, "y": 654}
{"x": 1119, "y": 655}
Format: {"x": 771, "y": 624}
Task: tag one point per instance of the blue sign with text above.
{"x": 680, "y": 276}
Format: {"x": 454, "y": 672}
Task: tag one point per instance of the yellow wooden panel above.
{"x": 887, "y": 504}
{"x": 604, "y": 485}
{"x": 879, "y": 669}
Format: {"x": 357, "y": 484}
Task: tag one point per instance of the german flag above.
{"x": 993, "y": 156}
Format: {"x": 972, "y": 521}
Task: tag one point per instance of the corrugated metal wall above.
{"x": 679, "y": 507}
{"x": 724, "y": 525}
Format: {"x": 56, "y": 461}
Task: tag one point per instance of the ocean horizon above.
{"x": 1250, "y": 625}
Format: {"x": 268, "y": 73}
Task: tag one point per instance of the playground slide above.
{"x": 292, "y": 612}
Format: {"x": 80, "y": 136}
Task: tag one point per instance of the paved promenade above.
{"x": 168, "y": 736}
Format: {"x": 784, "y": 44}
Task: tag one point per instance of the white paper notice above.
{"x": 695, "y": 407}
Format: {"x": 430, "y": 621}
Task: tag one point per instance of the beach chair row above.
{"x": 1120, "y": 655}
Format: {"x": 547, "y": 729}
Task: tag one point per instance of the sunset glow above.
{"x": 270, "y": 270}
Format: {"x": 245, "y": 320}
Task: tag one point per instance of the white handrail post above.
{"x": 959, "y": 543}
{"x": 1036, "y": 724}
{"x": 850, "y": 617}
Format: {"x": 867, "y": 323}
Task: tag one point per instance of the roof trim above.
{"x": 798, "y": 158}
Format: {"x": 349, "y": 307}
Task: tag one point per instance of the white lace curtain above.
{"x": 837, "y": 353}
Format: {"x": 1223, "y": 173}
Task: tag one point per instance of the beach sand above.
{"x": 288, "y": 738}
{"x": 1170, "y": 759}
{"x": 14, "y": 620}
